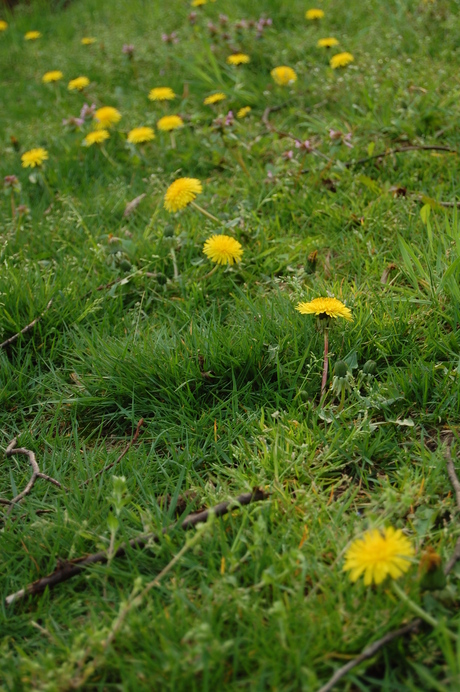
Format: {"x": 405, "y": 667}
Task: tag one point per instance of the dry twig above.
{"x": 69, "y": 569}
{"x": 26, "y": 329}
{"x": 36, "y": 473}
{"x": 399, "y": 150}
{"x": 114, "y": 463}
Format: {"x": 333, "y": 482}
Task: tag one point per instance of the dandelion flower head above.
{"x": 314, "y": 14}
{"x": 170, "y": 122}
{"x": 32, "y": 35}
{"x": 34, "y": 157}
{"x": 78, "y": 84}
{"x": 325, "y": 307}
{"x": 181, "y": 192}
{"x": 106, "y": 117}
{"x": 139, "y": 135}
{"x": 283, "y": 75}
{"x": 96, "y": 137}
{"x": 214, "y": 98}
{"x": 198, "y": 3}
{"x": 223, "y": 249}
{"x": 87, "y": 41}
{"x": 162, "y": 94}
{"x": 53, "y": 76}
{"x": 341, "y": 60}
{"x": 238, "y": 59}
{"x": 243, "y": 112}
{"x": 3, "y": 25}
{"x": 379, "y": 554}
{"x": 327, "y": 42}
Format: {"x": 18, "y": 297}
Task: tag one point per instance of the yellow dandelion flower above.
{"x": 87, "y": 41}
{"x": 32, "y": 35}
{"x": 162, "y": 94}
{"x": 78, "y": 84}
{"x": 139, "y": 135}
{"x": 379, "y": 554}
{"x": 198, "y": 3}
{"x": 214, "y": 98}
{"x": 181, "y": 192}
{"x": 238, "y": 59}
{"x": 106, "y": 117}
{"x": 325, "y": 307}
{"x": 243, "y": 112}
{"x": 223, "y": 249}
{"x": 283, "y": 75}
{"x": 53, "y": 76}
{"x": 34, "y": 157}
{"x": 341, "y": 60}
{"x": 314, "y": 14}
{"x": 3, "y": 25}
{"x": 95, "y": 137}
{"x": 327, "y": 42}
{"x": 170, "y": 122}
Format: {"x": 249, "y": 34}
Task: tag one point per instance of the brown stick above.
{"x": 368, "y": 652}
{"x": 281, "y": 133}
{"x": 69, "y": 569}
{"x": 26, "y": 329}
{"x": 399, "y": 150}
{"x": 36, "y": 473}
{"x": 453, "y": 475}
{"x": 114, "y": 463}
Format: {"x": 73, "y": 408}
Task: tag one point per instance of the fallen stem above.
{"x": 36, "y": 473}
{"x": 399, "y": 150}
{"x": 26, "y": 329}
{"x": 417, "y": 610}
{"x": 69, "y": 569}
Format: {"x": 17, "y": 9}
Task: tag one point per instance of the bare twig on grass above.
{"x": 114, "y": 463}
{"x": 398, "y": 150}
{"x": 26, "y": 329}
{"x": 452, "y": 474}
{"x": 368, "y": 652}
{"x": 36, "y": 473}
{"x": 371, "y": 650}
{"x": 69, "y": 569}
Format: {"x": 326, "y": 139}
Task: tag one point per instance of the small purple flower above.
{"x": 192, "y": 17}
{"x": 347, "y": 140}
{"x": 335, "y": 134}
{"x": 241, "y": 24}
{"x": 128, "y": 49}
{"x": 212, "y": 28}
{"x": 170, "y": 38}
{"x": 11, "y": 181}
{"x": 73, "y": 122}
{"x": 229, "y": 120}
{"x": 305, "y": 146}
{"x": 223, "y": 19}
{"x": 288, "y": 154}
{"x": 87, "y": 111}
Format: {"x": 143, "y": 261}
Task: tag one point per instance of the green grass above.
{"x": 259, "y": 601}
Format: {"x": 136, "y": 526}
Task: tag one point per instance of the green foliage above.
{"x": 225, "y": 372}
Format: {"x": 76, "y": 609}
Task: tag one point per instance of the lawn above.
{"x": 152, "y": 382}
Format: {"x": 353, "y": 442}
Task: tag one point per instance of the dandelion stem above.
{"x": 342, "y": 400}
{"x": 13, "y": 206}
{"x": 173, "y": 140}
{"x": 107, "y": 156}
{"x": 326, "y": 362}
{"x": 206, "y": 213}
{"x": 206, "y": 276}
{"x": 46, "y": 184}
{"x": 174, "y": 261}
{"x": 419, "y": 611}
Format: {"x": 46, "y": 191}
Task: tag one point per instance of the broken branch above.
{"x": 69, "y": 569}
